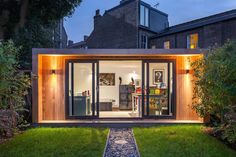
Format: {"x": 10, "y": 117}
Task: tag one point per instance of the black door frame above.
{"x": 145, "y": 74}
{"x": 95, "y": 88}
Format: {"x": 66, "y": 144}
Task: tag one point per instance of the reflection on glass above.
{"x": 96, "y": 90}
{"x": 70, "y": 90}
{"x": 160, "y": 88}
{"x": 145, "y": 90}
{"x": 80, "y": 78}
{"x": 171, "y": 90}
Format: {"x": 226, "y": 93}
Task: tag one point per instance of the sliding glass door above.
{"x": 159, "y": 91}
{"x": 82, "y": 89}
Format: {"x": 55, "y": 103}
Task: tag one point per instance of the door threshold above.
{"x": 114, "y": 123}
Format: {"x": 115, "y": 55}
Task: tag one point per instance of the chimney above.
{"x": 85, "y": 37}
{"x": 70, "y": 42}
{"x": 97, "y": 17}
{"x": 123, "y": 1}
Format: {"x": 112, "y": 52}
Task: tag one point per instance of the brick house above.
{"x": 128, "y": 25}
{"x": 135, "y": 24}
{"x": 206, "y": 32}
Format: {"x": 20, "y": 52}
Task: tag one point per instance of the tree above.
{"x": 215, "y": 89}
{"x": 216, "y": 82}
{"x": 29, "y": 23}
{"x": 13, "y": 88}
{"x": 16, "y": 13}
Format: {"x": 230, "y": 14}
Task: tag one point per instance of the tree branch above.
{"x": 23, "y": 14}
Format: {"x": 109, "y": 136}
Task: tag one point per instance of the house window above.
{"x": 154, "y": 47}
{"x": 144, "y": 42}
{"x": 144, "y": 16}
{"x": 192, "y": 41}
{"x": 167, "y": 45}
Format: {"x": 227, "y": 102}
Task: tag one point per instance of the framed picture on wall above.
{"x": 158, "y": 76}
{"x": 107, "y": 79}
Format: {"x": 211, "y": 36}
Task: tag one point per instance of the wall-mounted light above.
{"x": 187, "y": 65}
{"x": 53, "y": 71}
{"x": 187, "y": 71}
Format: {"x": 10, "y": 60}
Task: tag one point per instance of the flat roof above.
{"x": 118, "y": 52}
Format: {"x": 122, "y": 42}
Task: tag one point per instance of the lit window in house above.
{"x": 167, "y": 45}
{"x": 192, "y": 41}
{"x": 144, "y": 16}
{"x": 144, "y": 42}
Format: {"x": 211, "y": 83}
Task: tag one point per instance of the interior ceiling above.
{"x": 125, "y": 64}
{"x": 120, "y": 64}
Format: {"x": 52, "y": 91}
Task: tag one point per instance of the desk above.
{"x": 136, "y": 107}
{"x": 82, "y": 106}
{"x": 137, "y": 102}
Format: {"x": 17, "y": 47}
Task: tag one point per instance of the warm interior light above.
{"x": 187, "y": 65}
{"x": 193, "y": 41}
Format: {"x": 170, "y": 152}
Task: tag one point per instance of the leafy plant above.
{"x": 31, "y": 23}
{"x": 215, "y": 84}
{"x": 229, "y": 133}
{"x": 13, "y": 83}
{"x": 215, "y": 89}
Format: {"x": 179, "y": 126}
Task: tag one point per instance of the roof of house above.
{"x": 198, "y": 23}
{"x": 154, "y": 9}
{"x": 129, "y": 1}
{"x": 120, "y": 5}
{"x": 77, "y": 45}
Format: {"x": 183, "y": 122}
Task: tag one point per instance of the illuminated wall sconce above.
{"x": 187, "y": 71}
{"x": 53, "y": 71}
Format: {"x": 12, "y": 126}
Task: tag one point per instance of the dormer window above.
{"x": 144, "y": 16}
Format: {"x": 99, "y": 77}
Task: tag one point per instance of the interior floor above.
{"x": 118, "y": 114}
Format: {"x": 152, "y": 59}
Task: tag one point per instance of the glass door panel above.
{"x": 82, "y": 100}
{"x": 144, "y": 89}
{"x": 82, "y": 93}
{"x": 159, "y": 87}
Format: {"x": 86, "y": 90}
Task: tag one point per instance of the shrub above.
{"x": 13, "y": 88}
{"x": 229, "y": 133}
{"x": 215, "y": 89}
{"x": 215, "y": 84}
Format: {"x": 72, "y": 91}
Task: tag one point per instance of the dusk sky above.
{"x": 179, "y": 11}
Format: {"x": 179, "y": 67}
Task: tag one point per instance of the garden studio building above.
{"x": 75, "y": 85}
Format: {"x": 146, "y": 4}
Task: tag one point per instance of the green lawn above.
{"x": 56, "y": 142}
{"x": 179, "y": 141}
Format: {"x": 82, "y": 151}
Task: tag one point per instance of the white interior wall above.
{"x": 82, "y": 78}
{"x": 123, "y": 69}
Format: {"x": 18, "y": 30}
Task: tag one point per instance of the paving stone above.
{"x": 121, "y": 143}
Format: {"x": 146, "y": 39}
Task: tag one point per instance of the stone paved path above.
{"x": 121, "y": 143}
